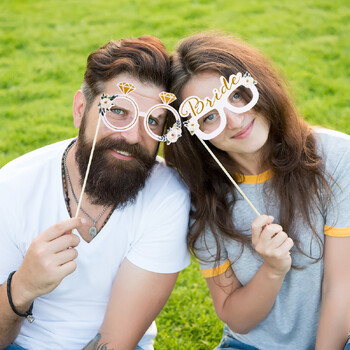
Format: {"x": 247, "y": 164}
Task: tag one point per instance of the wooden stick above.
{"x": 229, "y": 176}
{"x": 88, "y": 167}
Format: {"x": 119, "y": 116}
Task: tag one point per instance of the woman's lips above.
{"x": 245, "y": 132}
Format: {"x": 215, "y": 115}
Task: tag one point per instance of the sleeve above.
{"x": 10, "y": 254}
{"x": 337, "y": 223}
{"x": 206, "y": 249}
{"x": 162, "y": 246}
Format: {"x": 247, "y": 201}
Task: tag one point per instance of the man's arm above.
{"x": 49, "y": 259}
{"x": 96, "y": 344}
{"x": 10, "y": 323}
{"x": 136, "y": 299}
{"x": 334, "y": 322}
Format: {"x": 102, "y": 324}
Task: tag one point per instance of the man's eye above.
{"x": 117, "y": 111}
{"x": 152, "y": 121}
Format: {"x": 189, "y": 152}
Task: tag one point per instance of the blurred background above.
{"x": 44, "y": 45}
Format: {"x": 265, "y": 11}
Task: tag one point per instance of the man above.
{"x": 104, "y": 276}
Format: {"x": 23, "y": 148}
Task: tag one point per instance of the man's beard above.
{"x": 112, "y": 181}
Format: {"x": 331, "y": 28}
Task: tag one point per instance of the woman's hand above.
{"x": 272, "y": 244}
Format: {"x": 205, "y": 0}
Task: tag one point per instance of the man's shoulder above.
{"x": 33, "y": 162}
{"x": 162, "y": 176}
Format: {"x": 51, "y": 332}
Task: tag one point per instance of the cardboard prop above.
{"x": 207, "y": 118}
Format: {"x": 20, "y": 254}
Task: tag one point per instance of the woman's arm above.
{"x": 242, "y": 308}
{"x": 334, "y": 323}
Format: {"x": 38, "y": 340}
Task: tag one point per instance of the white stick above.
{"x": 88, "y": 167}
{"x": 228, "y": 175}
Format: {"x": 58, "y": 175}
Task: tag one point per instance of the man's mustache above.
{"x": 121, "y": 145}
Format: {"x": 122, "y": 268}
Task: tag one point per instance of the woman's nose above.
{"x": 233, "y": 120}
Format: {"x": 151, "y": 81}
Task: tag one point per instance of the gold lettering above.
{"x": 216, "y": 95}
{"x": 196, "y": 107}
{"x": 209, "y": 102}
{"x": 225, "y": 83}
{"x": 223, "y": 88}
{"x": 236, "y": 78}
{"x": 233, "y": 80}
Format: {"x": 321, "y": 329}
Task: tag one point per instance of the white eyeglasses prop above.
{"x": 120, "y": 113}
{"x": 207, "y": 118}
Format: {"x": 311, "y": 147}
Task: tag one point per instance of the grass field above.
{"x": 43, "y": 51}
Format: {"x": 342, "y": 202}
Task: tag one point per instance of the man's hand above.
{"x": 49, "y": 259}
{"x": 272, "y": 244}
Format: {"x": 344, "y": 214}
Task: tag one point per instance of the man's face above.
{"x": 122, "y": 160}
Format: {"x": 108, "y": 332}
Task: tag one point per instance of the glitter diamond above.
{"x": 167, "y": 97}
{"x": 125, "y": 88}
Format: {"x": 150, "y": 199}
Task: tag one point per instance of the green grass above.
{"x": 43, "y": 51}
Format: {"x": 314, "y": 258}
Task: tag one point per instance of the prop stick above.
{"x": 88, "y": 167}
{"x": 229, "y": 176}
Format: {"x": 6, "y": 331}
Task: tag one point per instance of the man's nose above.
{"x": 233, "y": 120}
{"x": 135, "y": 134}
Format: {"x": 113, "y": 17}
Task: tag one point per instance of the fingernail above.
{"x": 83, "y": 221}
{"x": 271, "y": 218}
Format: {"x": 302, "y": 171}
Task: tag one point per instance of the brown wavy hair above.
{"x": 145, "y": 58}
{"x": 290, "y": 149}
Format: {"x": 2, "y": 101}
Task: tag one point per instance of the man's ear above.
{"x": 79, "y": 105}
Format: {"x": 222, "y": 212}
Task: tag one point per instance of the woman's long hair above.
{"x": 299, "y": 180}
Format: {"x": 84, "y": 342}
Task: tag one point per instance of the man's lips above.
{"x": 245, "y": 132}
{"x": 121, "y": 154}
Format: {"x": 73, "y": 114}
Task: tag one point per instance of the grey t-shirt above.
{"x": 293, "y": 320}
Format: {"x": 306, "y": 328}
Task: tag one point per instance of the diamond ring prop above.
{"x": 120, "y": 113}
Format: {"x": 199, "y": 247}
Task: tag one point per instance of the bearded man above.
{"x": 104, "y": 276}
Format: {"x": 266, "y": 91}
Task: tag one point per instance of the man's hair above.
{"x": 145, "y": 58}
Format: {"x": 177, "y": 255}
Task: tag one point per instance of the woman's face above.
{"x": 244, "y": 135}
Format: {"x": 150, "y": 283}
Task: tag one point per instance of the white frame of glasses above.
{"x": 218, "y": 102}
{"x": 171, "y": 135}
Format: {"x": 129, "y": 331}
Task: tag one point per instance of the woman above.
{"x": 267, "y": 274}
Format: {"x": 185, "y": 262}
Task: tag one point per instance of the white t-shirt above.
{"x": 151, "y": 233}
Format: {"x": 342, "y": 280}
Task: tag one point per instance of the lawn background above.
{"x": 43, "y": 51}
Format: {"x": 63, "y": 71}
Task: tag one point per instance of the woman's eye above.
{"x": 209, "y": 117}
{"x": 236, "y": 96}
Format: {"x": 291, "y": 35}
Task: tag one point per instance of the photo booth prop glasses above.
{"x": 207, "y": 118}
{"x": 120, "y": 113}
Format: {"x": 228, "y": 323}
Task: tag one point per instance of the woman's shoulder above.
{"x": 334, "y": 148}
{"x": 331, "y": 138}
